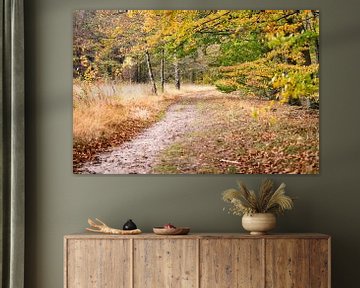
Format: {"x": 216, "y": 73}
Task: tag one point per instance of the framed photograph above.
{"x": 196, "y": 92}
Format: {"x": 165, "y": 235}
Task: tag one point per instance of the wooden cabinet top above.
{"x": 199, "y": 236}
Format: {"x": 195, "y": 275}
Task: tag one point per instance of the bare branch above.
{"x": 101, "y": 227}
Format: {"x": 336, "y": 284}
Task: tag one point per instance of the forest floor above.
{"x": 211, "y": 132}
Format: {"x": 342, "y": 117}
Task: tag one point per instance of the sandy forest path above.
{"x": 140, "y": 155}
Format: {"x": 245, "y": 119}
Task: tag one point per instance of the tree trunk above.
{"x": 142, "y": 78}
{"x": 307, "y": 56}
{"x": 317, "y": 45}
{"x": 151, "y": 75}
{"x": 177, "y": 74}
{"x": 162, "y": 70}
{"x": 137, "y": 71}
{"x": 193, "y": 76}
{"x": 317, "y": 49}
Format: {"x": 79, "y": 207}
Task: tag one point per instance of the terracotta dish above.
{"x": 171, "y": 231}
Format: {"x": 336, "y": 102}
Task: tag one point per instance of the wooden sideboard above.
{"x": 197, "y": 261}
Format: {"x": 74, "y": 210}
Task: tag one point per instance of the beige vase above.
{"x": 259, "y": 223}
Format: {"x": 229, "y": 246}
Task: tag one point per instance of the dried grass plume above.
{"x": 267, "y": 200}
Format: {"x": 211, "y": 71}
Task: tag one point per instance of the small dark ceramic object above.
{"x": 129, "y": 225}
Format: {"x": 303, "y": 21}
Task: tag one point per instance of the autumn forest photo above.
{"x": 196, "y": 92}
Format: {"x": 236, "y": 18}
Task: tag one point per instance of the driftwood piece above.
{"x": 101, "y": 227}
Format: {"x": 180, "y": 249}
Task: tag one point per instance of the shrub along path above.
{"x": 211, "y": 132}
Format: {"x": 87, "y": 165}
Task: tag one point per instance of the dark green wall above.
{"x": 59, "y": 202}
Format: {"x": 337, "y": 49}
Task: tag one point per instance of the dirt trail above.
{"x": 139, "y": 155}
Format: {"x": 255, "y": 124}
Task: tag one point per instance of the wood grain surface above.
{"x": 287, "y": 263}
{"x": 319, "y": 263}
{"x": 165, "y": 263}
{"x": 98, "y": 263}
{"x": 197, "y": 261}
{"x": 231, "y": 263}
{"x": 88, "y": 235}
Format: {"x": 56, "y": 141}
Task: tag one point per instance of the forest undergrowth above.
{"x": 247, "y": 135}
{"x": 235, "y": 133}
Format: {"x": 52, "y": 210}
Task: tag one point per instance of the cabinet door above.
{"x": 98, "y": 263}
{"x": 320, "y": 263}
{"x": 165, "y": 263}
{"x": 231, "y": 263}
{"x": 287, "y": 263}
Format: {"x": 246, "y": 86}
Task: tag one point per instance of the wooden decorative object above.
{"x": 197, "y": 261}
{"x": 101, "y": 227}
{"x": 171, "y": 231}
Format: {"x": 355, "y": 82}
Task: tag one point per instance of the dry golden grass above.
{"x": 98, "y": 109}
{"x": 96, "y": 120}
